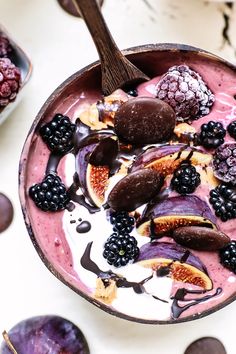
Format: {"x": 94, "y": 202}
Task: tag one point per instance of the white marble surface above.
{"x": 59, "y": 45}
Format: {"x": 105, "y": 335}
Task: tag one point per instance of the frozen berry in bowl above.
{"x": 50, "y": 194}
{"x": 120, "y": 249}
{"x": 185, "y": 179}
{"x": 10, "y": 79}
{"x": 44, "y": 334}
{"x": 228, "y": 256}
{"x": 186, "y": 92}
{"x": 232, "y": 129}
{"x": 223, "y": 200}
{"x": 224, "y": 163}
{"x": 5, "y": 46}
{"x": 58, "y": 134}
{"x": 212, "y": 135}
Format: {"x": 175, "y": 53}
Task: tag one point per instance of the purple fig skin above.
{"x": 171, "y": 251}
{"x": 180, "y": 205}
{"x": 81, "y": 164}
{"x": 44, "y": 335}
{"x": 156, "y": 153}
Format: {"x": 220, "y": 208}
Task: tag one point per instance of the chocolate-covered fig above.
{"x": 171, "y": 213}
{"x": 104, "y": 153}
{"x": 167, "y": 158}
{"x": 200, "y": 238}
{"x": 135, "y": 189}
{"x": 144, "y": 120}
{"x": 206, "y": 345}
{"x": 182, "y": 264}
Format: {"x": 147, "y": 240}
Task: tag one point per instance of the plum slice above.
{"x": 46, "y": 334}
{"x": 182, "y": 265}
{"x": 166, "y": 158}
{"x": 169, "y": 214}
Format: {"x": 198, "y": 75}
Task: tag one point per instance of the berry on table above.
{"x": 212, "y": 135}
{"x": 120, "y": 249}
{"x": 185, "y": 179}
{"x": 58, "y": 134}
{"x": 10, "y": 78}
{"x": 50, "y": 194}
{"x": 228, "y": 256}
{"x": 232, "y": 129}
{"x": 223, "y": 200}
{"x": 185, "y": 91}
{"x": 224, "y": 163}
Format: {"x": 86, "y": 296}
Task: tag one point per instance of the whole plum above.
{"x": 45, "y": 335}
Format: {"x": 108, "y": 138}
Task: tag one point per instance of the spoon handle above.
{"x": 116, "y": 69}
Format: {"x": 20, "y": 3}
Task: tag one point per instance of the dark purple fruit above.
{"x": 135, "y": 189}
{"x": 44, "y": 335}
{"x": 206, "y": 345}
{"x": 144, "y": 120}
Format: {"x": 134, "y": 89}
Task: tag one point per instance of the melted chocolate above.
{"x": 53, "y": 163}
{"x": 70, "y": 206}
{"x": 180, "y": 294}
{"x": 105, "y": 153}
{"x": 163, "y": 271}
{"x": 83, "y": 227}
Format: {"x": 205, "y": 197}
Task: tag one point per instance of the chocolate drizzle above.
{"x": 83, "y": 227}
{"x": 180, "y": 294}
{"x": 53, "y": 162}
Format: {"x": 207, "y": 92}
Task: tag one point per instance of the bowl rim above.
{"x": 174, "y": 47}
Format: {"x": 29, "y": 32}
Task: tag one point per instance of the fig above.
{"x": 135, "y": 189}
{"x": 167, "y": 158}
{"x": 144, "y": 120}
{"x": 43, "y": 335}
{"x": 182, "y": 264}
{"x": 200, "y": 238}
{"x": 93, "y": 163}
{"x": 206, "y": 345}
{"x": 169, "y": 214}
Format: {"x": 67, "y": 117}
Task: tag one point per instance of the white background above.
{"x": 59, "y": 45}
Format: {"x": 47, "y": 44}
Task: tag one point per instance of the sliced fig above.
{"x": 135, "y": 189}
{"x": 183, "y": 265}
{"x": 169, "y": 214}
{"x": 200, "y": 238}
{"x": 165, "y": 159}
{"x": 93, "y": 179}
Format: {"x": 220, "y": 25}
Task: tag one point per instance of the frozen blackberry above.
{"x": 212, "y": 135}
{"x": 122, "y": 222}
{"x": 223, "y": 200}
{"x": 185, "y": 179}
{"x": 232, "y": 129}
{"x": 10, "y": 78}
{"x": 58, "y": 134}
{"x": 50, "y": 194}
{"x": 120, "y": 249}
{"x": 185, "y": 91}
{"x": 224, "y": 163}
{"x": 228, "y": 256}
{"x": 5, "y": 46}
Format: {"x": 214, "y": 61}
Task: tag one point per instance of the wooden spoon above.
{"x": 117, "y": 70}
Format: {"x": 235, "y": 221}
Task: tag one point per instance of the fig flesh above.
{"x": 165, "y": 159}
{"x": 169, "y": 214}
{"x": 182, "y": 265}
{"x": 46, "y": 334}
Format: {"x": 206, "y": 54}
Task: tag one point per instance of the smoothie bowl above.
{"x": 130, "y": 199}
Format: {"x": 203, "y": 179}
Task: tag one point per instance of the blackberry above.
{"x": 224, "y": 163}
{"x": 50, "y": 194}
{"x": 223, "y": 200}
{"x": 228, "y": 256}
{"x": 58, "y": 134}
{"x": 212, "y": 135}
{"x": 122, "y": 222}
{"x": 185, "y": 91}
{"x": 10, "y": 79}
{"x": 120, "y": 249}
{"x": 232, "y": 129}
{"x": 185, "y": 179}
{"x": 5, "y": 46}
